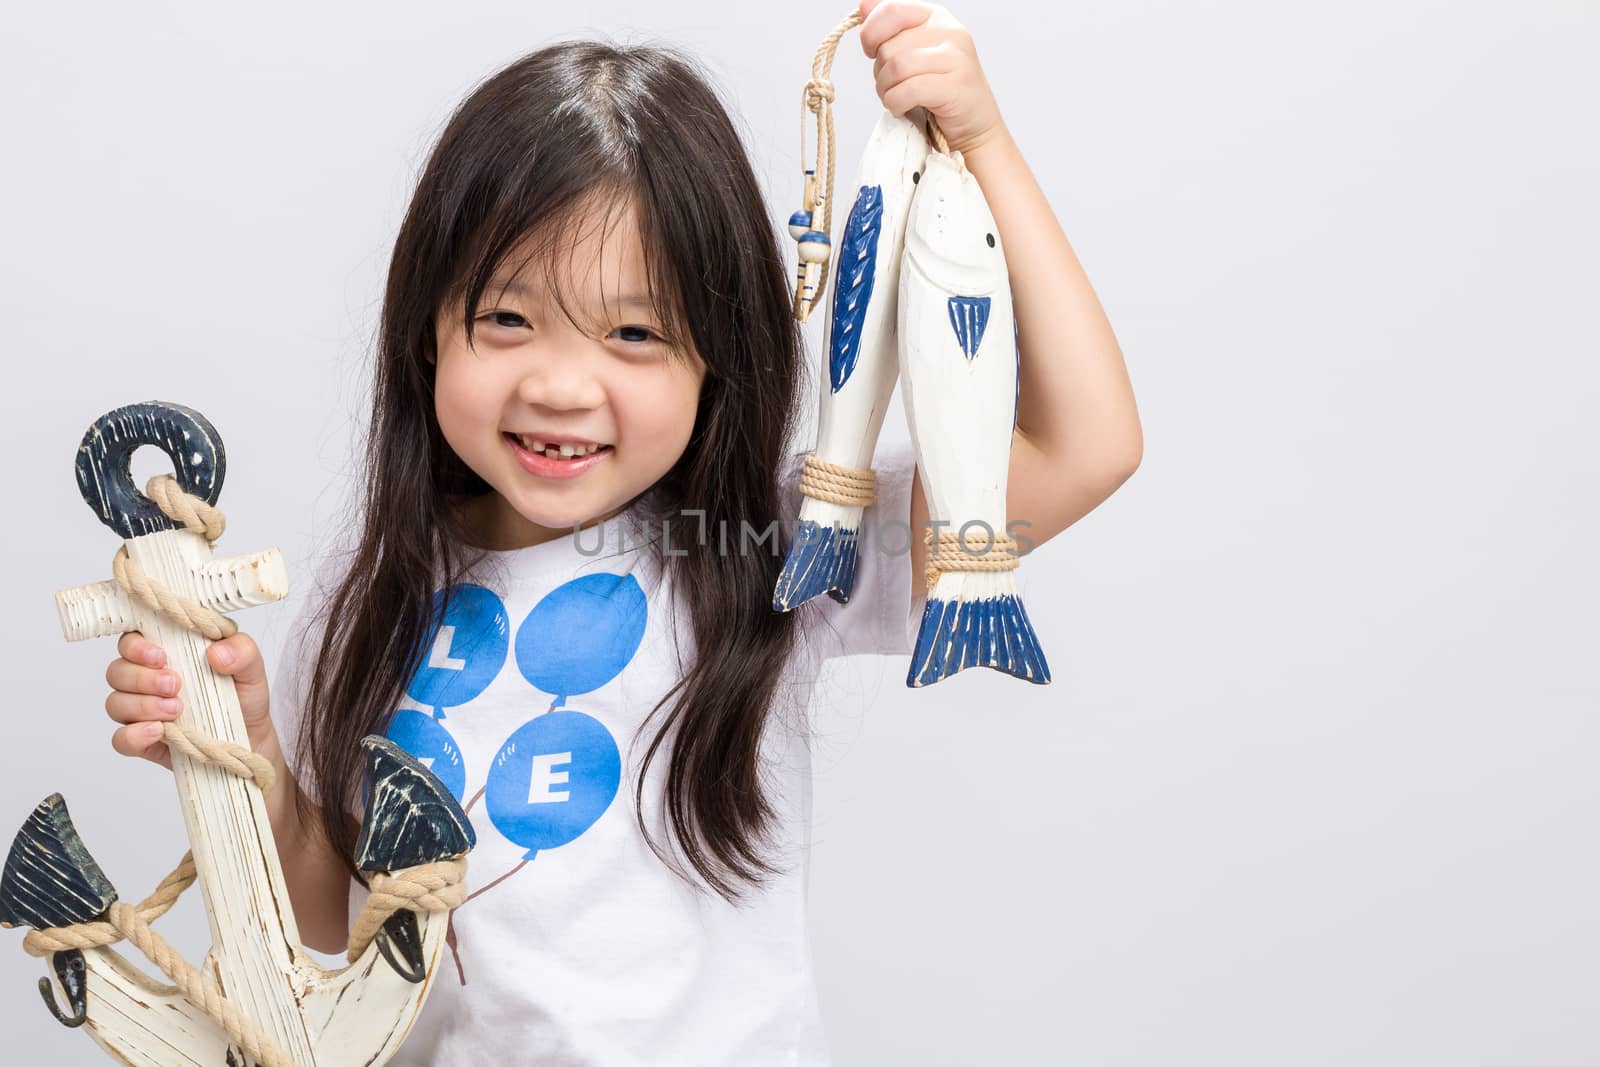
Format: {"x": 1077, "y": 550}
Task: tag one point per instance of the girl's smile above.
{"x": 556, "y": 461}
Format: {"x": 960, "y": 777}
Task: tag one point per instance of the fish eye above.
{"x": 990, "y": 238}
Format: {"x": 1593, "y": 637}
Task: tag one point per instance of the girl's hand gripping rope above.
{"x": 924, "y": 58}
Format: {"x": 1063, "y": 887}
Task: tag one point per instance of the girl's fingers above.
{"x": 132, "y": 678}
{"x": 134, "y": 708}
{"x": 885, "y": 20}
{"x": 143, "y": 697}
{"x": 133, "y": 646}
{"x": 142, "y": 739}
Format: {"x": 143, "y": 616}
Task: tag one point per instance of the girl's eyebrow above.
{"x": 518, "y": 288}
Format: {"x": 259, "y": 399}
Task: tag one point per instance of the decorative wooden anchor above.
{"x": 257, "y": 997}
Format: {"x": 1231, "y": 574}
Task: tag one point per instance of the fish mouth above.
{"x": 954, "y": 277}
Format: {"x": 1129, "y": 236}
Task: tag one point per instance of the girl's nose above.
{"x": 564, "y": 380}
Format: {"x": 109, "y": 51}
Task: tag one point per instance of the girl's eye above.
{"x": 512, "y": 321}
{"x": 498, "y": 316}
{"x": 648, "y": 333}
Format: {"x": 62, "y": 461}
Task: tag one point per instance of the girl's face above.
{"x": 531, "y": 373}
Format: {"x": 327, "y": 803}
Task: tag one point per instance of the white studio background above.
{"x": 1315, "y": 781}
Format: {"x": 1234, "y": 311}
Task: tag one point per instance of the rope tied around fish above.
{"x": 957, "y": 552}
{"x": 849, "y": 486}
{"x": 435, "y": 886}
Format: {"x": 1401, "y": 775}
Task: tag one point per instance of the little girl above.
{"x": 579, "y": 490}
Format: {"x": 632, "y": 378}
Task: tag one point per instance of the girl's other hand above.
{"x": 145, "y": 694}
{"x": 925, "y": 58}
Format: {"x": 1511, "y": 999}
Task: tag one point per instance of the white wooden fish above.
{"x": 959, "y": 377}
{"x": 862, "y": 359}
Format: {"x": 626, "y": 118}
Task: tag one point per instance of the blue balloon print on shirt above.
{"x": 560, "y": 771}
{"x": 464, "y": 651}
{"x": 582, "y": 634}
{"x": 552, "y": 779}
{"x": 431, "y": 743}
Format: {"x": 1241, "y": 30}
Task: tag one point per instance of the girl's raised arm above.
{"x": 1078, "y": 435}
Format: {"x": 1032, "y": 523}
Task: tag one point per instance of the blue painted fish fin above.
{"x": 852, "y": 290}
{"x": 969, "y": 317}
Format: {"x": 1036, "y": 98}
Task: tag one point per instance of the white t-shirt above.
{"x": 582, "y": 947}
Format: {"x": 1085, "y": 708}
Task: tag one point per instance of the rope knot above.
{"x": 818, "y": 90}
{"x": 179, "y": 506}
{"x": 199, "y": 517}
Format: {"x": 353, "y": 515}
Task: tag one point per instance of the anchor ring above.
{"x": 105, "y": 457}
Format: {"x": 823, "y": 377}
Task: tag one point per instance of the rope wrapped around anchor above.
{"x": 436, "y": 886}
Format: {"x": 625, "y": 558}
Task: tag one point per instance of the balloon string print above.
{"x": 814, "y": 242}
{"x": 558, "y": 772}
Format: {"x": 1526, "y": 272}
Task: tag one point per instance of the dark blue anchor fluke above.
{"x": 852, "y": 290}
{"x": 50, "y": 879}
{"x": 969, "y": 317}
{"x": 822, "y": 559}
{"x": 992, "y": 632}
{"x": 411, "y": 817}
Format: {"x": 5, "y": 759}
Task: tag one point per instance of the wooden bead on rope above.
{"x": 817, "y": 97}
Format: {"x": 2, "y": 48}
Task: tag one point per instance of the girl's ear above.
{"x": 430, "y": 343}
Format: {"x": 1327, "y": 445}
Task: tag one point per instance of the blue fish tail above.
{"x": 989, "y": 632}
{"x": 822, "y": 559}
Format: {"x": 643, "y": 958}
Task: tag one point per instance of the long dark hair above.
{"x": 518, "y": 159}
